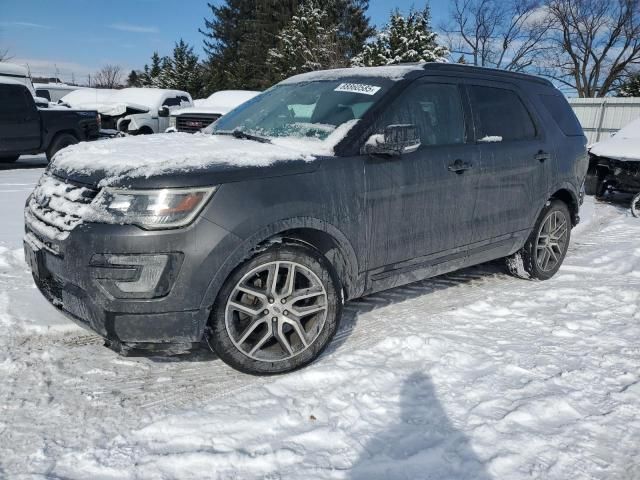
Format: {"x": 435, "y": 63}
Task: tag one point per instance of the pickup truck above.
{"x": 26, "y": 129}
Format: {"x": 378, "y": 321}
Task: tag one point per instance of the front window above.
{"x": 308, "y": 110}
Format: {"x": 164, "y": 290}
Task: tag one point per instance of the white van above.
{"x": 54, "y": 91}
{"x": 17, "y": 73}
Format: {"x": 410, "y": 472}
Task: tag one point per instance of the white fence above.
{"x": 600, "y": 117}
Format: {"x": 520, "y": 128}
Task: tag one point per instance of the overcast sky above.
{"x": 79, "y": 36}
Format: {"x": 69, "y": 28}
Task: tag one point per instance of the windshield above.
{"x": 304, "y": 110}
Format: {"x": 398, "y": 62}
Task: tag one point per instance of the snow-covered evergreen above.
{"x": 404, "y": 39}
{"x": 308, "y": 42}
{"x": 631, "y": 87}
{"x": 181, "y": 71}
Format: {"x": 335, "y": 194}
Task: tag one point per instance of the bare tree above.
{"x": 4, "y": 55}
{"x": 109, "y": 76}
{"x": 507, "y": 34}
{"x": 596, "y": 43}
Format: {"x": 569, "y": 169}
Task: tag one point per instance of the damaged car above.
{"x": 614, "y": 165}
{"x": 141, "y": 111}
{"x": 251, "y": 235}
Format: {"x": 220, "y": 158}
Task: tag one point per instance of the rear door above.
{"x": 514, "y": 159}
{"x": 19, "y": 120}
{"x": 418, "y": 204}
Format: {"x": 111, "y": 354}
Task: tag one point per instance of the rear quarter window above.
{"x": 562, "y": 113}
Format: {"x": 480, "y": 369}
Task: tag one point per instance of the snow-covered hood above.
{"x": 206, "y": 110}
{"x": 116, "y": 109}
{"x": 181, "y": 159}
{"x": 624, "y": 149}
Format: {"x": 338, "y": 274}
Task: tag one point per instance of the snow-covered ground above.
{"x": 474, "y": 375}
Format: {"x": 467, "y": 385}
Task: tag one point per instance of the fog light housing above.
{"x": 137, "y": 275}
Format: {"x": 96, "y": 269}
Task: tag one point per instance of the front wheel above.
{"x": 61, "y": 141}
{"x": 546, "y": 247}
{"x": 277, "y": 312}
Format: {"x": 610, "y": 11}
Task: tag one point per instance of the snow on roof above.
{"x": 623, "y": 145}
{"x": 228, "y": 99}
{"x": 60, "y": 86}
{"x": 10, "y": 81}
{"x": 148, "y": 97}
{"x": 13, "y": 69}
{"x": 87, "y": 97}
{"x": 392, "y": 72}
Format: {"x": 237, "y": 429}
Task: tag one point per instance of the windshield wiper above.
{"x": 237, "y": 133}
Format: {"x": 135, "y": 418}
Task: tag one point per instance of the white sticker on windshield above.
{"x": 357, "y": 88}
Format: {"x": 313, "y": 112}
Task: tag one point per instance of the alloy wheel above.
{"x": 276, "y": 311}
{"x": 552, "y": 241}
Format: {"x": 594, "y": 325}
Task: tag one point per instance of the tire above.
{"x": 266, "y": 341}
{"x": 61, "y": 141}
{"x": 10, "y": 159}
{"x": 635, "y": 206}
{"x": 594, "y": 185}
{"x": 542, "y": 255}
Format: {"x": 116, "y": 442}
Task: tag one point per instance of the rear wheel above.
{"x": 9, "y": 159}
{"x": 635, "y": 206}
{"x": 59, "y": 142}
{"x": 277, "y": 312}
{"x": 546, "y": 247}
{"x": 594, "y": 184}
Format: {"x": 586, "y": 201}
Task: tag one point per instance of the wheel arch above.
{"x": 323, "y": 237}
{"x": 567, "y": 196}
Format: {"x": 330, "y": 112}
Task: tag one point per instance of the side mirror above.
{"x": 163, "y": 111}
{"x": 396, "y": 140}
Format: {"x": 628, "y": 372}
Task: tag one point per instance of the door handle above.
{"x": 458, "y": 166}
{"x": 541, "y": 156}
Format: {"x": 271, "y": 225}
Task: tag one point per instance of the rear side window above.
{"x": 15, "y": 106}
{"x": 499, "y": 113}
{"x": 41, "y": 92}
{"x": 171, "y": 102}
{"x": 562, "y": 113}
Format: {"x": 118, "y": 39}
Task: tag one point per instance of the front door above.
{"x": 420, "y": 204}
{"x": 19, "y": 120}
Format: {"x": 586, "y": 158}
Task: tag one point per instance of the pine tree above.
{"x": 238, "y": 38}
{"x": 308, "y": 42}
{"x": 135, "y": 78}
{"x": 404, "y": 39}
{"x": 354, "y": 28}
{"x": 150, "y": 76}
{"x": 631, "y": 87}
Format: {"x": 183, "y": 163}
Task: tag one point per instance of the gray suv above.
{"x": 327, "y": 187}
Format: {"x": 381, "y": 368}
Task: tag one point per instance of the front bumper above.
{"x": 65, "y": 272}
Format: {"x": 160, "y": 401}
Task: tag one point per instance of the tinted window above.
{"x": 435, "y": 109}
{"x": 43, "y": 93}
{"x": 15, "y": 106}
{"x": 500, "y": 113}
{"x": 171, "y": 102}
{"x": 562, "y": 113}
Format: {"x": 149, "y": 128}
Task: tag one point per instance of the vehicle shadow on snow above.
{"x": 421, "y": 443}
{"x": 25, "y": 164}
{"x": 618, "y": 199}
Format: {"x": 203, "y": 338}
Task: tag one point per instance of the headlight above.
{"x": 153, "y": 209}
{"x": 172, "y": 121}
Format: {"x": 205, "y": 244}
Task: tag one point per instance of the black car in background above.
{"x": 327, "y": 187}
{"x": 26, "y": 129}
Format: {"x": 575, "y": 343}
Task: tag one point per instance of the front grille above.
{"x": 56, "y": 207}
{"x": 194, "y": 123}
